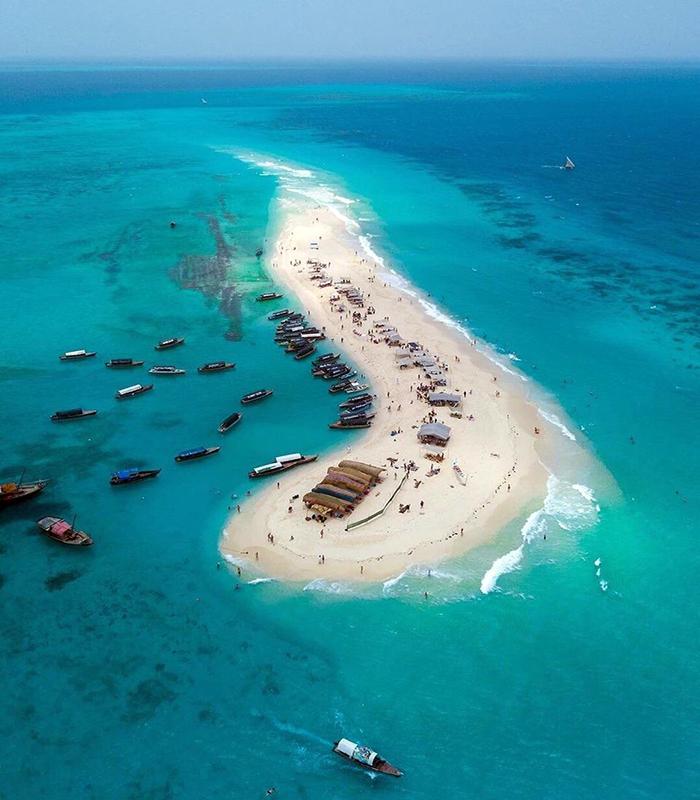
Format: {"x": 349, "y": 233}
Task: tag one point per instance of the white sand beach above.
{"x": 496, "y": 440}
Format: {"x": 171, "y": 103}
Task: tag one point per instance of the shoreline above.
{"x": 498, "y": 449}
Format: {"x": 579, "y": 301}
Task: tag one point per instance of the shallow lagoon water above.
{"x": 136, "y": 669}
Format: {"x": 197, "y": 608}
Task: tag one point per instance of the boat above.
{"x": 75, "y": 355}
{"x": 269, "y": 296}
{"x": 305, "y": 352}
{"x": 328, "y": 358}
{"x": 12, "y": 492}
{"x": 62, "y": 531}
{"x": 281, "y": 464}
{"x": 132, "y": 391}
{"x": 216, "y": 366}
{"x": 166, "y": 343}
{"x": 197, "y": 452}
{"x": 356, "y": 408}
{"x": 357, "y": 400}
{"x": 132, "y": 475}
{"x": 166, "y": 370}
{"x": 459, "y": 472}
{"x": 348, "y": 424}
{"x": 72, "y": 413}
{"x": 230, "y": 421}
{"x": 284, "y": 312}
{"x": 118, "y": 363}
{"x": 252, "y": 397}
{"x": 356, "y": 387}
{"x": 569, "y": 164}
{"x": 364, "y": 757}
{"x": 340, "y": 386}
{"x": 345, "y": 372}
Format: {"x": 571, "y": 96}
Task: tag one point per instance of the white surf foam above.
{"x": 569, "y": 506}
{"x": 328, "y": 587}
{"x": 259, "y": 580}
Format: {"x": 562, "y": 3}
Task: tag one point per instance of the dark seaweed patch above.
{"x": 56, "y": 582}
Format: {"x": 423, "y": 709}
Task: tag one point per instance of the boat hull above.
{"x": 283, "y": 468}
{"x": 208, "y": 452}
{"x": 167, "y": 345}
{"x": 23, "y": 493}
{"x": 229, "y": 423}
{"x": 247, "y": 399}
{"x": 142, "y": 390}
{"x": 144, "y": 475}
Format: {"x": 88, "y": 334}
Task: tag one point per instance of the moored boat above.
{"x": 76, "y": 355}
{"x": 459, "y": 472}
{"x": 122, "y": 363}
{"x": 305, "y": 352}
{"x": 216, "y": 366}
{"x": 349, "y": 424}
{"x": 356, "y": 387}
{"x": 230, "y": 421}
{"x": 358, "y": 399}
{"x": 17, "y": 492}
{"x": 63, "y": 532}
{"x": 166, "y": 370}
{"x": 73, "y": 413}
{"x": 132, "y": 475}
{"x": 269, "y": 296}
{"x": 364, "y": 757}
{"x": 328, "y": 358}
{"x": 281, "y": 464}
{"x": 132, "y": 391}
{"x": 252, "y": 397}
{"x": 284, "y": 312}
{"x": 340, "y": 386}
{"x": 197, "y": 452}
{"x": 166, "y": 343}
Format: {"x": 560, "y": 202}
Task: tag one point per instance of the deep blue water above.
{"x": 136, "y": 669}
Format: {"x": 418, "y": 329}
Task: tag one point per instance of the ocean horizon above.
{"x": 538, "y": 667}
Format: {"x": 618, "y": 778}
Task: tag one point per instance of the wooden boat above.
{"x": 76, "y": 355}
{"x": 459, "y": 472}
{"x": 364, "y": 757}
{"x": 166, "y": 370}
{"x": 355, "y": 409}
{"x": 269, "y": 296}
{"x": 349, "y": 424}
{"x": 281, "y": 464}
{"x": 305, "y": 352}
{"x": 17, "y": 492}
{"x": 132, "y": 475}
{"x": 72, "y": 413}
{"x": 356, "y": 387}
{"x": 253, "y": 397}
{"x": 216, "y": 366}
{"x": 356, "y": 400}
{"x": 283, "y": 312}
{"x": 328, "y": 358}
{"x": 230, "y": 421}
{"x": 132, "y": 391}
{"x": 355, "y": 413}
{"x": 122, "y": 363}
{"x": 569, "y": 164}
{"x": 166, "y": 343}
{"x": 63, "y": 532}
{"x": 340, "y": 386}
{"x": 346, "y": 373}
{"x": 197, "y": 452}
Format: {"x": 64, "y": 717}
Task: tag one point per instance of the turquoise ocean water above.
{"x": 136, "y": 669}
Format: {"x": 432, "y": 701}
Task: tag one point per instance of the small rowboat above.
{"x": 305, "y": 352}
{"x": 121, "y": 363}
{"x": 17, "y": 492}
{"x": 230, "y": 421}
{"x": 364, "y": 757}
{"x": 269, "y": 296}
{"x": 261, "y": 394}
{"x": 459, "y": 472}
{"x": 215, "y": 366}
{"x": 75, "y": 355}
{"x": 132, "y": 391}
{"x": 166, "y": 370}
{"x": 197, "y": 452}
{"x": 72, "y": 413}
{"x": 166, "y": 343}
{"x": 132, "y": 475}
{"x": 63, "y": 532}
